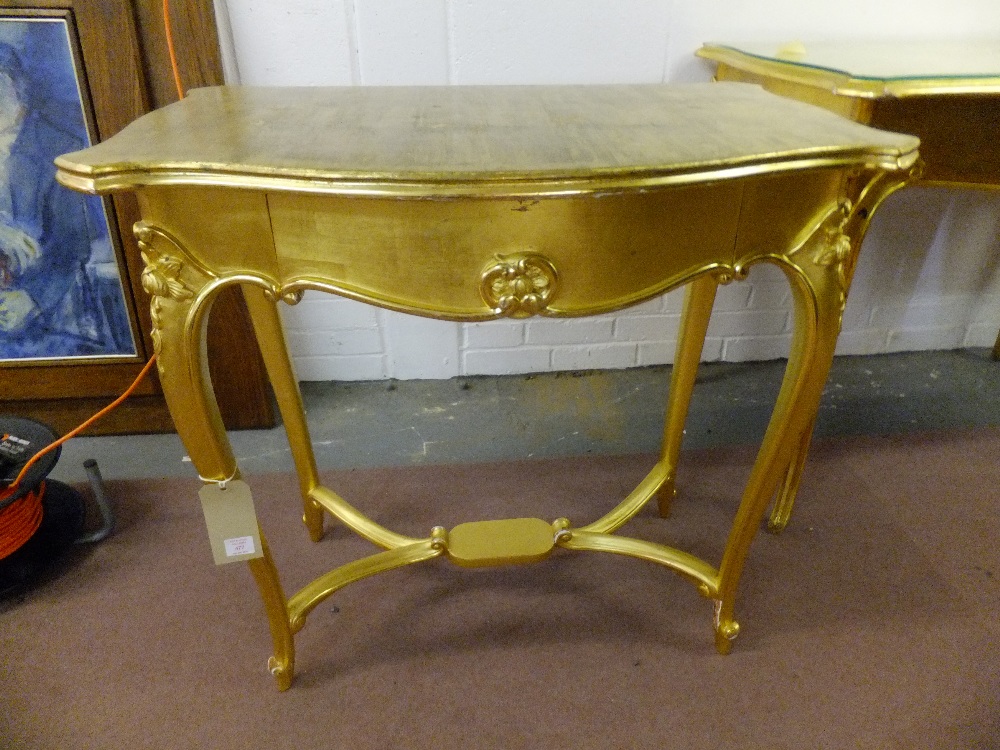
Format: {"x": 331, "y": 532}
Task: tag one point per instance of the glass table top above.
{"x": 886, "y": 68}
{"x": 884, "y": 60}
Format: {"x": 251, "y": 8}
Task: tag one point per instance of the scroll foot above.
{"x": 726, "y": 628}
{"x": 282, "y": 664}
{"x": 725, "y": 633}
{"x": 282, "y": 671}
{"x": 779, "y": 519}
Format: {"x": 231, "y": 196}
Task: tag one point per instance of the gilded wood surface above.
{"x": 433, "y": 257}
{"x": 473, "y": 140}
{"x": 487, "y": 246}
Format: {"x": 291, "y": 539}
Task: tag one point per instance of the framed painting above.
{"x": 74, "y": 319}
{"x": 62, "y": 294}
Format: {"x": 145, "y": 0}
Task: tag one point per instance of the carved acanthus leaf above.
{"x": 162, "y": 279}
{"x": 836, "y": 250}
{"x": 162, "y": 275}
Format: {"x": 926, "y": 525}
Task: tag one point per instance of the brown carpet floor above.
{"x": 870, "y": 623}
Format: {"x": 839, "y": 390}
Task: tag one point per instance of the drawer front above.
{"x": 468, "y": 258}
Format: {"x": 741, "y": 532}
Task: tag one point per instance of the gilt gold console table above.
{"x": 472, "y": 204}
{"x": 946, "y": 93}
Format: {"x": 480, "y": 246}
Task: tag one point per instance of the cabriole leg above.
{"x": 182, "y": 297}
{"x": 835, "y": 248}
{"x": 818, "y": 275}
{"x": 271, "y": 337}
{"x": 699, "y": 297}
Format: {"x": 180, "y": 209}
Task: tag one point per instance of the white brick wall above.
{"x": 335, "y": 339}
{"x": 929, "y": 275}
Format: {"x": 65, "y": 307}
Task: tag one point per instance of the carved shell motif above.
{"x": 519, "y": 285}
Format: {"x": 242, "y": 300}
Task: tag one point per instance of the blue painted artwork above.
{"x": 61, "y": 292}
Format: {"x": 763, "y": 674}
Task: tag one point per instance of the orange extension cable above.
{"x": 168, "y": 31}
{"x": 20, "y": 520}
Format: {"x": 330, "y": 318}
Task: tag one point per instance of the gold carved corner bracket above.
{"x": 173, "y": 275}
{"x": 519, "y": 285}
{"x": 836, "y": 249}
{"x": 164, "y": 276}
{"x": 840, "y": 234}
{"x": 825, "y": 255}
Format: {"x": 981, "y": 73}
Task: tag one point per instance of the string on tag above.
{"x": 222, "y": 483}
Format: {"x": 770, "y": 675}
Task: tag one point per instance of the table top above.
{"x": 873, "y": 68}
{"x": 486, "y": 140}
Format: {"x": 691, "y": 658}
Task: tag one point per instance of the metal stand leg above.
{"x": 103, "y": 505}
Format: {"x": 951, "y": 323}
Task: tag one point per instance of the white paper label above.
{"x": 242, "y": 545}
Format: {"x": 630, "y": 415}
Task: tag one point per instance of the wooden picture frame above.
{"x": 125, "y": 73}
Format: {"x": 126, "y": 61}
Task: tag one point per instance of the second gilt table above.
{"x": 472, "y": 204}
{"x": 947, "y": 93}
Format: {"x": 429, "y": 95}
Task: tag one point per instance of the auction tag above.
{"x": 231, "y": 522}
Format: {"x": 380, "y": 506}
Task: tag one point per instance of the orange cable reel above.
{"x": 28, "y": 452}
